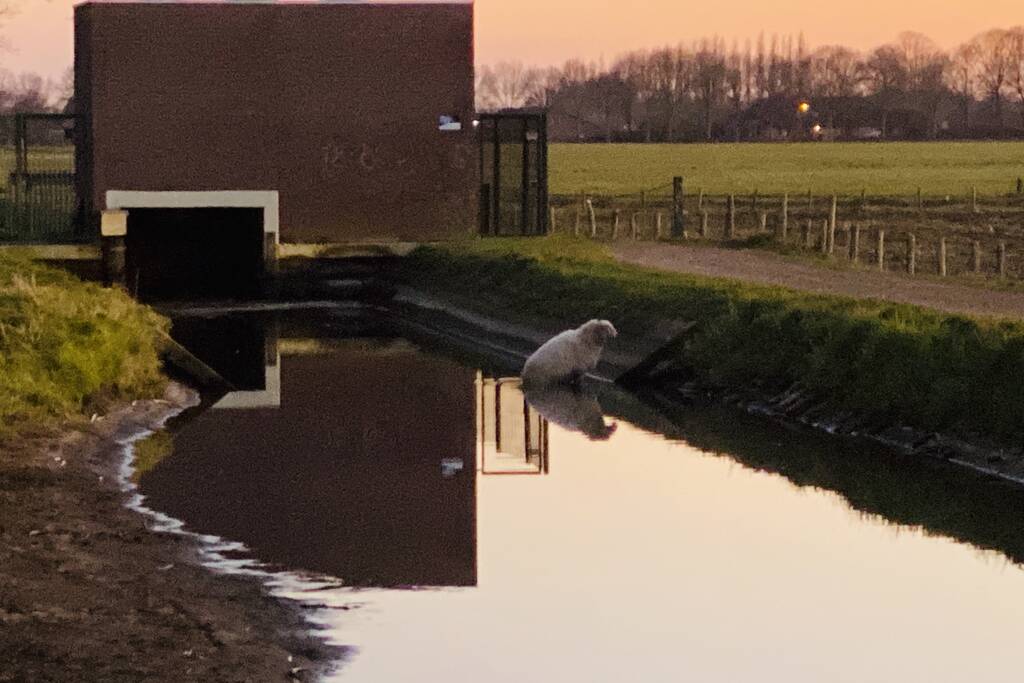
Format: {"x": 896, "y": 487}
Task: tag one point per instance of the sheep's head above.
{"x": 598, "y": 332}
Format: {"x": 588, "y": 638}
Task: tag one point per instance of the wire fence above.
{"x": 967, "y": 234}
{"x": 38, "y": 202}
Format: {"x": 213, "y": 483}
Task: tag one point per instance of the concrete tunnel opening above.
{"x": 194, "y": 254}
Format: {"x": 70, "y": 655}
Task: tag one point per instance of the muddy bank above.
{"x": 89, "y": 593}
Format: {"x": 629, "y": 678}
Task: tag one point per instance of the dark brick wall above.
{"x": 334, "y": 106}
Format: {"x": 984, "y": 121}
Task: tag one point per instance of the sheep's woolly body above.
{"x": 569, "y": 355}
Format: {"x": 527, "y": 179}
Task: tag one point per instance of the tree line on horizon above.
{"x": 776, "y": 89}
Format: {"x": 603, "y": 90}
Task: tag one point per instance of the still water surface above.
{"x": 476, "y": 538}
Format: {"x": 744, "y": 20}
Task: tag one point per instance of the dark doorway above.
{"x": 194, "y": 254}
{"x": 514, "y": 173}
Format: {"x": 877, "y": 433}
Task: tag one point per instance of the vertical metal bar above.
{"x": 497, "y": 416}
{"x": 524, "y": 191}
{"x": 542, "y": 177}
{"x": 544, "y": 428}
{"x": 496, "y": 187}
{"x": 526, "y": 429}
{"x": 485, "y": 209}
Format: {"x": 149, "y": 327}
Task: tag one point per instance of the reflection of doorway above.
{"x": 514, "y": 173}
{"x": 512, "y": 436}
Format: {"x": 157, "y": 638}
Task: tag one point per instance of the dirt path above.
{"x": 88, "y": 593}
{"x": 766, "y": 267}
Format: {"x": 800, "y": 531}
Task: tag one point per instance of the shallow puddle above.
{"x": 463, "y": 532}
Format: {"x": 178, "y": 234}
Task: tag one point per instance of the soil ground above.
{"x": 752, "y": 265}
{"x": 88, "y": 593}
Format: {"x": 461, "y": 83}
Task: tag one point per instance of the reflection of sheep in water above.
{"x": 571, "y": 408}
{"x": 568, "y": 356}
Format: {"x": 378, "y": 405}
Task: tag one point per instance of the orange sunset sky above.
{"x": 39, "y": 36}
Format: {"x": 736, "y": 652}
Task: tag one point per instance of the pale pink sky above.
{"x": 39, "y": 37}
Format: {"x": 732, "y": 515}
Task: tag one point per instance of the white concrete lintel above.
{"x": 227, "y": 199}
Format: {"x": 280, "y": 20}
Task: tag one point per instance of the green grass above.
{"x": 67, "y": 347}
{"x": 896, "y": 168}
{"x": 41, "y": 159}
{"x": 887, "y": 361}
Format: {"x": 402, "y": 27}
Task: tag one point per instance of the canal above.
{"x": 440, "y": 525}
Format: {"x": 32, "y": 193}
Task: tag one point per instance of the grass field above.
{"x": 48, "y": 159}
{"x": 896, "y": 168}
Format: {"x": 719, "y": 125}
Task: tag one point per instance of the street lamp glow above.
{"x": 804, "y": 107}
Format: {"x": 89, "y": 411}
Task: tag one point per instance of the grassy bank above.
{"x": 879, "y": 168}
{"x": 68, "y": 347}
{"x": 886, "y": 361}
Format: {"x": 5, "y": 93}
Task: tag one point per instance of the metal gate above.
{"x": 39, "y": 203}
{"x": 514, "y": 173}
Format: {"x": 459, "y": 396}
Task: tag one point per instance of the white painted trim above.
{"x": 230, "y": 199}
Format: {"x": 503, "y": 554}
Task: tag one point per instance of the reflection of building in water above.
{"x": 361, "y": 469}
{"x": 512, "y": 436}
{"x": 269, "y": 394}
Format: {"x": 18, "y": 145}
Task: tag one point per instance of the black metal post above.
{"x": 485, "y": 209}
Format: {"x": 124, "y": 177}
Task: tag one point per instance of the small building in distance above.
{"x": 338, "y": 123}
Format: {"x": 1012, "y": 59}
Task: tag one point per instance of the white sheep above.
{"x": 568, "y": 356}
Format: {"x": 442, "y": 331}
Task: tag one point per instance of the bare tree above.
{"x": 924, "y": 67}
{"x": 1015, "y": 62}
{"x": 836, "y": 71}
{"x": 67, "y": 88}
{"x": 572, "y": 88}
{"x": 993, "y": 68}
{"x": 636, "y": 71}
{"x": 509, "y": 85}
{"x": 962, "y": 77}
{"x": 672, "y": 76}
{"x": 709, "y": 80}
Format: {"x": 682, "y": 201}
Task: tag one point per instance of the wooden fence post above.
{"x": 942, "y": 256}
{"x": 976, "y": 249}
{"x": 658, "y": 230}
{"x": 855, "y": 243}
{"x": 824, "y": 236}
{"x": 832, "y": 225}
{"x": 810, "y": 200}
{"x": 881, "y": 249}
{"x": 730, "y": 218}
{"x": 911, "y": 254}
{"x": 678, "y": 224}
{"x": 1002, "y": 258}
{"x": 643, "y": 208}
{"x": 553, "y": 227}
{"x": 593, "y": 218}
{"x": 635, "y": 225}
{"x": 763, "y": 221}
{"x": 807, "y": 236}
{"x": 784, "y": 226}
{"x": 615, "y": 225}
{"x": 700, "y": 199}
{"x": 576, "y": 229}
